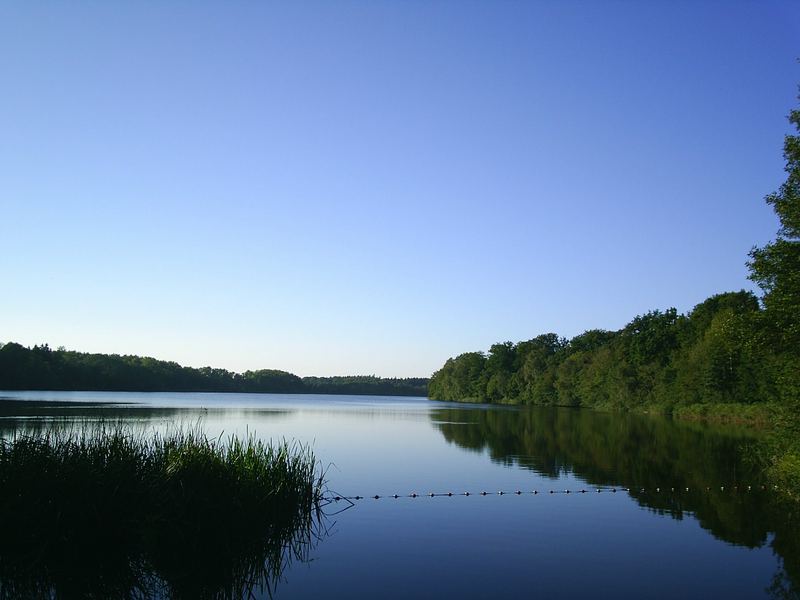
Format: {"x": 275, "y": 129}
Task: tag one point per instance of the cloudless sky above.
{"x": 373, "y": 187}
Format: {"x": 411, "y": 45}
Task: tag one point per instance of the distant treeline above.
{"x": 42, "y": 368}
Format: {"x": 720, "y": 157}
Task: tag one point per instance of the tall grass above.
{"x": 105, "y": 511}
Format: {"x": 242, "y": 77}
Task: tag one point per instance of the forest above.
{"x": 42, "y": 368}
{"x": 663, "y": 359}
{"x": 734, "y": 356}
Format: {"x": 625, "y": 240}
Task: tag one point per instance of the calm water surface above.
{"x": 638, "y": 544}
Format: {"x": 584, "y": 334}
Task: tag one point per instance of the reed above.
{"x": 106, "y": 511}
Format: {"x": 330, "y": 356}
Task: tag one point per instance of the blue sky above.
{"x": 372, "y": 187}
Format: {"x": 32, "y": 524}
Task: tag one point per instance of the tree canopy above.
{"x": 662, "y": 358}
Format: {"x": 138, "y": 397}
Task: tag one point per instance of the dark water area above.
{"x": 682, "y": 522}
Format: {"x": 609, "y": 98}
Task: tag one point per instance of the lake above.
{"x": 681, "y": 522}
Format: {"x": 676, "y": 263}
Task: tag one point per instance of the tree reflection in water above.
{"x": 644, "y": 453}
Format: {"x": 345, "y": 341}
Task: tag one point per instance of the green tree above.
{"x": 776, "y": 269}
{"x": 499, "y": 369}
{"x": 650, "y": 338}
{"x": 776, "y": 266}
{"x": 460, "y": 379}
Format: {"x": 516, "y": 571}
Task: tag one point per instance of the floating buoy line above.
{"x": 333, "y": 497}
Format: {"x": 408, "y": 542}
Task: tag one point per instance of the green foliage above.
{"x": 650, "y": 338}
{"x": 776, "y": 269}
{"x": 366, "y": 384}
{"x": 759, "y": 416}
{"x": 40, "y": 368}
{"x": 659, "y": 359}
{"x": 776, "y": 266}
{"x": 460, "y": 377}
{"x": 107, "y": 512}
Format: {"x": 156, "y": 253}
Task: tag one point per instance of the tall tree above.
{"x": 776, "y": 266}
{"x": 776, "y": 269}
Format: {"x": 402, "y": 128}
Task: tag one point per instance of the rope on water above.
{"x": 333, "y": 497}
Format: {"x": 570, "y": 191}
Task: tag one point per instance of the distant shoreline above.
{"x": 41, "y": 368}
{"x": 5, "y": 400}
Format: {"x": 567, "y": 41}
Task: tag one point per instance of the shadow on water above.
{"x": 644, "y": 453}
{"x": 111, "y": 513}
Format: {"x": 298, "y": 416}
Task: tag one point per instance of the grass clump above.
{"x": 783, "y": 451}
{"x": 753, "y": 415}
{"x": 108, "y": 512}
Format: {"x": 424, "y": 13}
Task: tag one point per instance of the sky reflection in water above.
{"x": 696, "y": 544}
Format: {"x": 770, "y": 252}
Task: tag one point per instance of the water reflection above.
{"x": 643, "y": 453}
{"x": 199, "y": 562}
{"x": 383, "y": 446}
{"x": 16, "y": 415}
